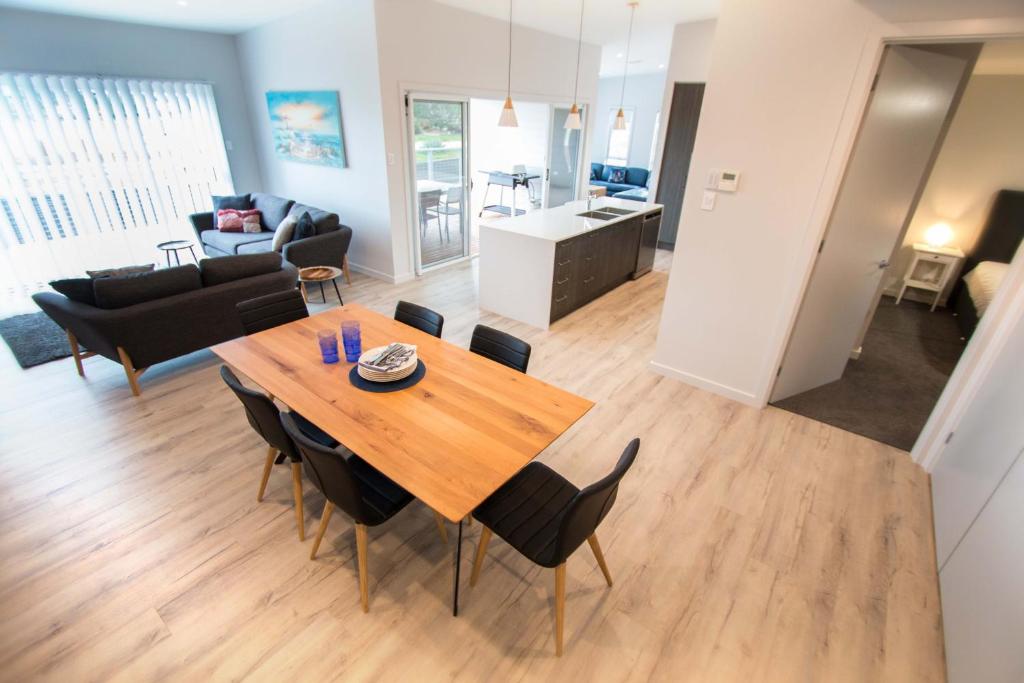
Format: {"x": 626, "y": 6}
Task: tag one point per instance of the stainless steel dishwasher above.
{"x": 648, "y": 243}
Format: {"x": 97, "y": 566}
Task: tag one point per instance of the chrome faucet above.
{"x": 590, "y": 197}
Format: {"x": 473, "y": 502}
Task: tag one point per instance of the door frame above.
{"x": 1008, "y": 305}
{"x": 412, "y": 198}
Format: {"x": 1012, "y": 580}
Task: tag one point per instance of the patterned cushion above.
{"x": 242, "y": 202}
{"x": 228, "y": 220}
{"x": 617, "y": 175}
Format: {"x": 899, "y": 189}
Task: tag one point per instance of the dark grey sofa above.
{"x": 327, "y": 248}
{"x": 140, "y": 320}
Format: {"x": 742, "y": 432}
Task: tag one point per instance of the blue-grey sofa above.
{"x": 636, "y": 178}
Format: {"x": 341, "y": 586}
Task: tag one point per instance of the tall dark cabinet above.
{"x": 675, "y": 159}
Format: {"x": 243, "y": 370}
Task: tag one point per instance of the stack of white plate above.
{"x": 401, "y": 372}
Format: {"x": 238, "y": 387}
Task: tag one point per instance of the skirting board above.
{"x": 707, "y": 384}
{"x": 386, "y": 277}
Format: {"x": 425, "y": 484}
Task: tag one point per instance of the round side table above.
{"x": 173, "y": 247}
{"x": 320, "y": 274}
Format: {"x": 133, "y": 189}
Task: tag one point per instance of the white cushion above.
{"x": 283, "y": 234}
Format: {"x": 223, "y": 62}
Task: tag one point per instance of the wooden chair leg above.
{"x": 75, "y": 352}
{"x": 344, "y": 269}
{"x": 559, "y": 607}
{"x": 596, "y": 547}
{"x": 267, "y": 466}
{"x": 300, "y": 518}
{"x": 441, "y": 528}
{"x": 364, "y": 594}
{"x": 324, "y": 519}
{"x": 130, "y": 372}
{"x": 481, "y": 551}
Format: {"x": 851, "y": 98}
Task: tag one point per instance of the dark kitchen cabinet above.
{"x": 591, "y": 264}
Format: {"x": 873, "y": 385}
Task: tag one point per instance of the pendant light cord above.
{"x": 629, "y": 43}
{"x": 509, "y": 91}
{"x": 579, "y": 51}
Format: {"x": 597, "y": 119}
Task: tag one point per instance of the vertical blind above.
{"x": 94, "y": 172}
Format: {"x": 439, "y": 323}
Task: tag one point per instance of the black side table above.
{"x": 174, "y": 246}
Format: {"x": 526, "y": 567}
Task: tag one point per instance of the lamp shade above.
{"x": 939, "y": 235}
{"x": 620, "y": 120}
{"x": 508, "y": 115}
{"x": 573, "y": 121}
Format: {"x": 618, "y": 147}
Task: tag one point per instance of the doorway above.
{"x": 885, "y": 315}
{"x": 438, "y": 135}
{"x": 675, "y": 160}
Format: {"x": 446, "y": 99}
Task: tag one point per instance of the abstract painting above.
{"x": 306, "y": 126}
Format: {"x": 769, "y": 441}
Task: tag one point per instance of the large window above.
{"x": 619, "y": 140}
{"x": 95, "y": 172}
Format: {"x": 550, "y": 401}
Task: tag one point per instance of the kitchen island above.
{"x": 546, "y": 264}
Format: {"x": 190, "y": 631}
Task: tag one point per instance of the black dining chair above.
{"x": 271, "y": 310}
{"x": 349, "y": 482}
{"x": 501, "y": 347}
{"x": 543, "y": 516}
{"x": 420, "y": 317}
{"x": 265, "y": 419}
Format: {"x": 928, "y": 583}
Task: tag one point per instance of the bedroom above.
{"x": 939, "y": 152}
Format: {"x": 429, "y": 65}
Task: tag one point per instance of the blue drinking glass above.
{"x": 328, "y": 341}
{"x": 352, "y": 340}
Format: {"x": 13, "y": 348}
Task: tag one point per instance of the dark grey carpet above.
{"x": 34, "y": 339}
{"x": 889, "y": 392}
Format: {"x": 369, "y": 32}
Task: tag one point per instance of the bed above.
{"x": 985, "y": 265}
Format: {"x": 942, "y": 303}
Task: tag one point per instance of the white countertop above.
{"x": 561, "y": 222}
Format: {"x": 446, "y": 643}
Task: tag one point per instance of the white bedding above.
{"x": 983, "y": 281}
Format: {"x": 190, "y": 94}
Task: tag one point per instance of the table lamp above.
{"x": 939, "y": 235}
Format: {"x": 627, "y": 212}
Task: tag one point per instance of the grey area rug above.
{"x": 889, "y": 392}
{"x": 34, "y": 339}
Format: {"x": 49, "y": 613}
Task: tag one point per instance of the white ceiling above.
{"x": 1001, "y": 57}
{"x": 605, "y": 23}
{"x": 224, "y": 16}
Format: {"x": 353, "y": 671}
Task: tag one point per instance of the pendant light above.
{"x": 573, "y": 121}
{"x": 508, "y": 114}
{"x": 620, "y": 117}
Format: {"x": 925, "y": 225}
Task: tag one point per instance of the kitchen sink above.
{"x": 599, "y": 215}
{"x": 617, "y": 211}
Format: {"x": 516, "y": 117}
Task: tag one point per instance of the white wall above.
{"x": 430, "y": 47}
{"x": 644, "y": 93}
{"x": 54, "y": 43}
{"x": 688, "y": 62}
{"x": 982, "y": 154}
{"x": 331, "y": 46}
{"x": 786, "y": 89}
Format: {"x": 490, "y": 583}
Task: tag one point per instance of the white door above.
{"x": 563, "y": 158}
{"x": 915, "y": 95}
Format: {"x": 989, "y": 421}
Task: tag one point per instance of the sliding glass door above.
{"x": 438, "y": 138}
{"x": 563, "y": 158}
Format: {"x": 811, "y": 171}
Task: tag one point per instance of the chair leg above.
{"x": 441, "y": 528}
{"x": 324, "y": 519}
{"x": 75, "y": 352}
{"x": 364, "y": 595}
{"x": 129, "y": 371}
{"x": 481, "y": 551}
{"x": 596, "y": 547}
{"x": 559, "y": 607}
{"x": 300, "y": 518}
{"x": 267, "y": 466}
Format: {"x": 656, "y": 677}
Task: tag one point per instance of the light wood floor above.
{"x": 745, "y": 545}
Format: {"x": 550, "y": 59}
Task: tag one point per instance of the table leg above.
{"x": 458, "y": 563}
{"x": 335, "y": 283}
{"x": 323, "y": 294}
{"x": 177, "y": 259}
{"x": 192, "y": 251}
{"x": 513, "y": 214}
{"x": 168, "y": 255}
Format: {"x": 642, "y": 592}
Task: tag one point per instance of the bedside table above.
{"x": 931, "y": 269}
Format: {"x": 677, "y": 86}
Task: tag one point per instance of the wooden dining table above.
{"x": 450, "y": 440}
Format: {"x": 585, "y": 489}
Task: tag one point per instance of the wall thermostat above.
{"x": 723, "y": 181}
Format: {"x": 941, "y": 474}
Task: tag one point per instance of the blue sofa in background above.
{"x": 636, "y": 179}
